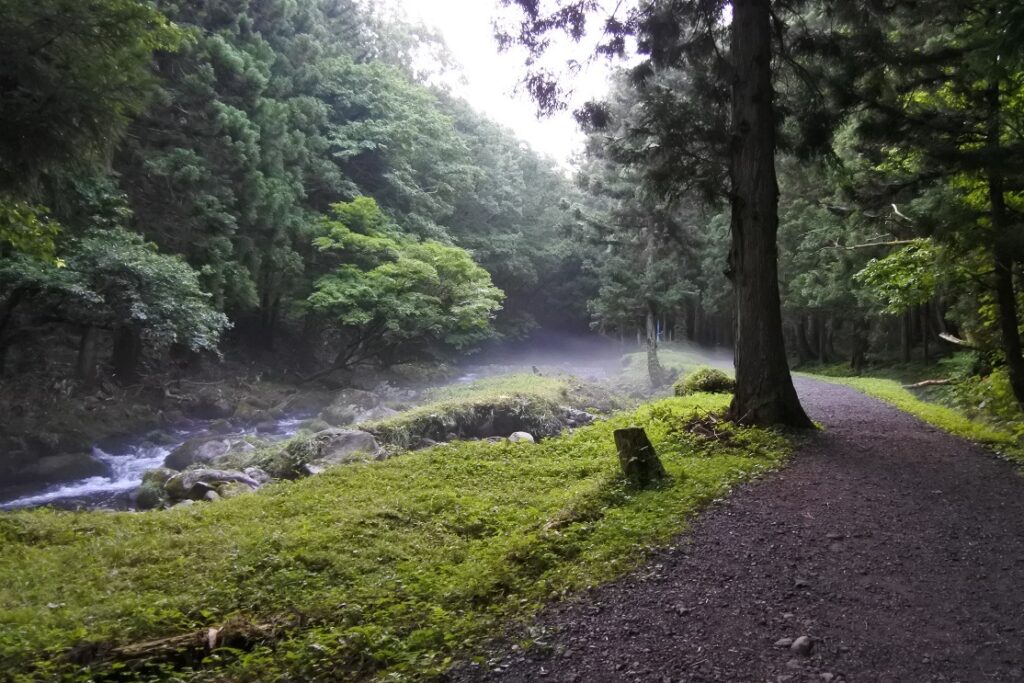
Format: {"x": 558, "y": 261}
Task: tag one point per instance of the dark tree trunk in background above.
{"x": 85, "y": 368}
{"x": 764, "y": 388}
{"x": 821, "y": 326}
{"x": 654, "y": 370}
{"x": 126, "y": 355}
{"x": 803, "y": 346}
{"x": 926, "y": 332}
{"x": 1002, "y": 254}
{"x": 906, "y": 331}
{"x": 859, "y": 345}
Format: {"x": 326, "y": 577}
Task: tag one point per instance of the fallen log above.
{"x": 929, "y": 383}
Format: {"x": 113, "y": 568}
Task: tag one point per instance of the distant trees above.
{"x": 206, "y": 144}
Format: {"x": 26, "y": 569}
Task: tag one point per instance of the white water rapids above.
{"x": 126, "y": 469}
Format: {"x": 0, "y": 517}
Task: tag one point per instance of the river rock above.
{"x": 149, "y": 496}
{"x": 158, "y": 476}
{"x": 577, "y": 418}
{"x": 343, "y": 445}
{"x": 56, "y": 469}
{"x": 257, "y": 474}
{"x": 339, "y": 415}
{"x": 197, "y": 450}
{"x": 301, "y": 404}
{"x": 195, "y": 484}
{"x": 210, "y": 405}
{"x": 516, "y": 437}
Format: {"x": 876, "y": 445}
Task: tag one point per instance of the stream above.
{"x": 130, "y": 460}
{"x": 127, "y": 464}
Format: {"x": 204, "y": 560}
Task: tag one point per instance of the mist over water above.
{"x": 587, "y": 356}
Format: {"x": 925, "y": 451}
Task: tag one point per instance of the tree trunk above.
{"x": 803, "y": 346}
{"x": 637, "y": 457}
{"x": 126, "y": 355}
{"x": 859, "y": 344}
{"x": 654, "y": 370}
{"x": 821, "y": 324}
{"x": 85, "y": 368}
{"x": 1002, "y": 256}
{"x": 764, "y": 388}
{"x": 905, "y": 333}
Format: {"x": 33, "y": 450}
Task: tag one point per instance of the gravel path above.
{"x": 896, "y": 548}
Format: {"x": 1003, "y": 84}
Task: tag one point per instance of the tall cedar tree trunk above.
{"x": 654, "y": 370}
{"x": 126, "y": 355}
{"x": 86, "y": 365}
{"x": 1002, "y": 255}
{"x": 764, "y": 388}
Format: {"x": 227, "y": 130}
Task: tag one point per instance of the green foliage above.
{"x": 388, "y": 289}
{"x": 28, "y": 229}
{"x": 72, "y": 74}
{"x": 903, "y": 279}
{"x": 704, "y": 380}
{"x": 394, "y": 566}
{"x": 113, "y": 278}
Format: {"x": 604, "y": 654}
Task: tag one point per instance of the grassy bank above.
{"x": 944, "y": 417}
{"x": 383, "y": 569}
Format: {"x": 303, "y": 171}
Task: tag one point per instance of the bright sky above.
{"x": 489, "y": 79}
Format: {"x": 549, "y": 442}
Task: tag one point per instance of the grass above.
{"x": 944, "y": 417}
{"x": 378, "y": 570}
{"x": 516, "y": 402}
{"x": 634, "y": 377}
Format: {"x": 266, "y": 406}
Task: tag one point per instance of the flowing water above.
{"x": 126, "y": 465}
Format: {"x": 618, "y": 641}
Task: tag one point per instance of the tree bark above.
{"x": 85, "y": 368}
{"x": 637, "y": 457}
{"x": 1002, "y": 255}
{"x": 654, "y": 370}
{"x": 905, "y": 334}
{"x": 126, "y": 355}
{"x": 764, "y": 387}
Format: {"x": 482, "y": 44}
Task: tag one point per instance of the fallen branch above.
{"x": 929, "y": 383}
{"x": 945, "y": 336}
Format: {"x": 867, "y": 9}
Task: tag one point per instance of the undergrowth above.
{"x": 379, "y": 570}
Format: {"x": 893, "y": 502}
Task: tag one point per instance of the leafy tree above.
{"x": 113, "y": 280}
{"x": 72, "y": 75}
{"x": 386, "y": 290}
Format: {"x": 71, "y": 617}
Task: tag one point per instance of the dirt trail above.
{"x": 898, "y": 549}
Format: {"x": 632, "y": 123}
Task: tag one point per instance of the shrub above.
{"x": 704, "y": 379}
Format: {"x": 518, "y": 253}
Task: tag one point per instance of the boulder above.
{"x": 577, "y": 418}
{"x": 301, "y": 404}
{"x": 256, "y": 474}
{"x": 195, "y": 484}
{"x": 339, "y": 415}
{"x": 149, "y": 496}
{"x": 327, "y": 448}
{"x": 56, "y": 469}
{"x": 197, "y": 450}
{"x": 210, "y": 406}
{"x": 345, "y": 445}
{"x": 158, "y": 476}
{"x": 356, "y": 397}
{"x": 516, "y": 437}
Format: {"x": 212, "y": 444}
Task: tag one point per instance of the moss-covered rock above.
{"x": 196, "y": 451}
{"x": 313, "y": 454}
{"x": 704, "y": 380}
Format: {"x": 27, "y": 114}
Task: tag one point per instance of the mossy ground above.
{"x": 383, "y": 570}
{"x": 534, "y": 402}
{"x": 675, "y": 360}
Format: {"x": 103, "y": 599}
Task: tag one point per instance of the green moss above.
{"x": 394, "y": 566}
{"x": 704, "y": 379}
{"x": 495, "y": 406}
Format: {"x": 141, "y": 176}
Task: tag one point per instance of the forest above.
{"x": 276, "y": 299}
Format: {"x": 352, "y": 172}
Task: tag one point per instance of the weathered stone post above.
{"x": 637, "y": 457}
